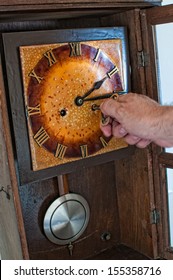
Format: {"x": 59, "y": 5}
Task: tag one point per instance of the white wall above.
{"x": 167, "y": 2}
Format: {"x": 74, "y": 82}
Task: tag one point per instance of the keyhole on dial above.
{"x": 63, "y": 112}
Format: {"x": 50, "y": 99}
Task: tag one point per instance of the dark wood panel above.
{"x": 166, "y": 159}
{"x": 159, "y": 15}
{"x": 26, "y": 22}
{"x": 39, "y": 2}
{"x": 120, "y": 252}
{"x": 80, "y": 3}
{"x": 67, "y": 9}
{"x": 97, "y": 186}
{"x": 134, "y": 202}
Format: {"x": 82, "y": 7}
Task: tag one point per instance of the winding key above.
{"x": 104, "y": 119}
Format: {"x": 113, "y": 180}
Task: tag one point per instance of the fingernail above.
{"x": 122, "y": 131}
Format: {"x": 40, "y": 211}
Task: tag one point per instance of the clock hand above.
{"x": 97, "y": 85}
{"x": 79, "y": 100}
{"x": 98, "y": 97}
{"x": 114, "y": 95}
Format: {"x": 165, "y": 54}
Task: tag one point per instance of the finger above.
{"x": 106, "y": 125}
{"x": 131, "y": 139}
{"x": 106, "y": 129}
{"x": 117, "y": 130}
{"x": 109, "y": 107}
{"x": 143, "y": 143}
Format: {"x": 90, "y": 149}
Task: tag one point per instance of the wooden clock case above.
{"x": 122, "y": 189}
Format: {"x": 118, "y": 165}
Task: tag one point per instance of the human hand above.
{"x": 136, "y": 118}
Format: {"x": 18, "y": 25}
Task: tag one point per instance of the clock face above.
{"x": 63, "y": 84}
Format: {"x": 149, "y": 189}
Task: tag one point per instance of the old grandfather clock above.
{"x": 67, "y": 191}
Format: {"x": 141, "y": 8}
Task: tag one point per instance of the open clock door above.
{"x": 157, "y": 22}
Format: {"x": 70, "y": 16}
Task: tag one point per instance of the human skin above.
{"x": 139, "y": 120}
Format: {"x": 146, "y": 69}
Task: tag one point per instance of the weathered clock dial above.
{"x": 62, "y": 84}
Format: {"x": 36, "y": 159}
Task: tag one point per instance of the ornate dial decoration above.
{"x": 62, "y": 82}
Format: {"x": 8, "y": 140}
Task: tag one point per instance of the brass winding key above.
{"x": 104, "y": 119}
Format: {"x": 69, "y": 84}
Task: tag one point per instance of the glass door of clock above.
{"x": 159, "y": 44}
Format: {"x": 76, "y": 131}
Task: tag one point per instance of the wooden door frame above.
{"x": 160, "y": 159}
{"x": 18, "y": 229}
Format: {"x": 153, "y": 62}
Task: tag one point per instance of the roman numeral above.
{"x": 84, "y": 151}
{"x": 34, "y": 110}
{"x": 113, "y": 71}
{"x": 34, "y": 75}
{"x": 41, "y": 136}
{"x": 75, "y": 49}
{"x": 97, "y": 55}
{"x": 60, "y": 151}
{"x": 50, "y": 56}
{"x": 103, "y": 141}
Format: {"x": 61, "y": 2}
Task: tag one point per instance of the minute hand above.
{"x": 98, "y": 97}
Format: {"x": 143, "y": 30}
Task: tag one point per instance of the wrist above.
{"x": 163, "y": 132}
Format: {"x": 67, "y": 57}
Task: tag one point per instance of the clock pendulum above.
{"x": 67, "y": 217}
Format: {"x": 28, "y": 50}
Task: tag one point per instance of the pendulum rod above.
{"x": 63, "y": 190}
{"x": 63, "y": 185}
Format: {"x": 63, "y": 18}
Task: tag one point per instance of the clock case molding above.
{"x": 132, "y": 190}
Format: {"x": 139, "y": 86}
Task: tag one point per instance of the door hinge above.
{"x": 154, "y": 216}
{"x": 143, "y": 59}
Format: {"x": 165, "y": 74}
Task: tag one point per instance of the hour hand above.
{"x": 97, "y": 85}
